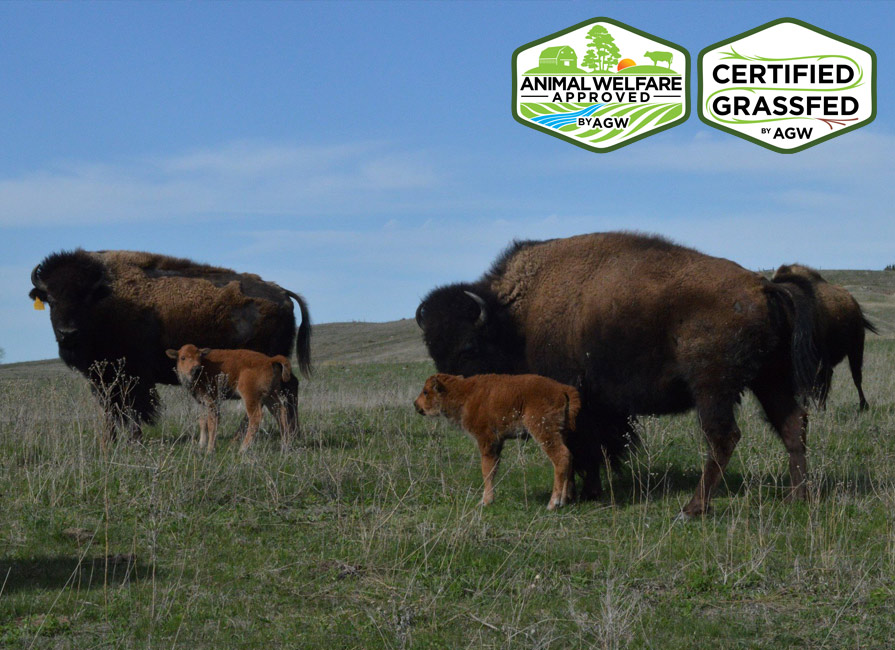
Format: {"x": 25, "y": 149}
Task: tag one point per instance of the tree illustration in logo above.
{"x": 590, "y": 61}
{"x": 602, "y": 55}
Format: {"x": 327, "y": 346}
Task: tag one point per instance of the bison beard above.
{"x": 640, "y": 326}
{"x": 114, "y": 313}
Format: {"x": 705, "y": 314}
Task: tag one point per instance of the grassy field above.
{"x": 368, "y": 533}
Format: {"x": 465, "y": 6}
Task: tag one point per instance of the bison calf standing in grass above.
{"x": 839, "y": 331}
{"x": 215, "y": 375}
{"x": 493, "y": 408}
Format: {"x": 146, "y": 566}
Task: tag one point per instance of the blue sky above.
{"x": 362, "y": 153}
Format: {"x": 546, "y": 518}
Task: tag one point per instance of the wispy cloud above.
{"x": 238, "y": 179}
{"x": 857, "y": 156}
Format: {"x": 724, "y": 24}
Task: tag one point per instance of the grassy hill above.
{"x": 358, "y": 342}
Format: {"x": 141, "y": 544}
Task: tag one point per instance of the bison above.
{"x": 493, "y": 408}
{"x": 840, "y": 328}
{"x": 639, "y": 325}
{"x": 115, "y": 313}
{"x": 215, "y": 375}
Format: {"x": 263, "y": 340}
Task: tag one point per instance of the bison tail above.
{"x": 870, "y": 327}
{"x": 303, "y": 339}
{"x": 286, "y": 367}
{"x": 794, "y": 311}
{"x": 573, "y": 405}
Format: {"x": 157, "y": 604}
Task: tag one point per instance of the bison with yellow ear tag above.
{"x": 114, "y": 313}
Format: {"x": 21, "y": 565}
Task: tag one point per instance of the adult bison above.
{"x": 114, "y": 313}
{"x": 840, "y": 328}
{"x": 641, "y": 326}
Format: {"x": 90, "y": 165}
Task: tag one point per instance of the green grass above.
{"x": 648, "y": 69}
{"x": 368, "y": 533}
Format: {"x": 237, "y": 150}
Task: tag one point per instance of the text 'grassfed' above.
{"x": 787, "y": 85}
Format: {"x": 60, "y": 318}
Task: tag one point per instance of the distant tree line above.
{"x": 890, "y": 267}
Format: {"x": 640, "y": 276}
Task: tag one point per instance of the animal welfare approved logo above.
{"x": 601, "y": 84}
{"x": 787, "y": 85}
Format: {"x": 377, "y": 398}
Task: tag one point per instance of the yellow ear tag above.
{"x": 38, "y": 304}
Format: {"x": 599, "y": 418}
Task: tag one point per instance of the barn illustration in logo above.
{"x": 600, "y": 84}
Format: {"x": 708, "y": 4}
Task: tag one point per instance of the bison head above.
{"x": 785, "y": 273}
{"x": 468, "y": 332}
{"x": 429, "y": 401}
{"x": 189, "y": 363}
{"x": 71, "y": 283}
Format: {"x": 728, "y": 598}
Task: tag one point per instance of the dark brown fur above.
{"x": 840, "y": 329}
{"x": 493, "y": 408}
{"x": 641, "y": 326}
{"x": 215, "y": 375}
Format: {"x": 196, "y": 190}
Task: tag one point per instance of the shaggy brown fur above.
{"x": 840, "y": 328}
{"x": 493, "y": 408}
{"x": 253, "y": 306}
{"x": 214, "y": 375}
{"x": 639, "y": 325}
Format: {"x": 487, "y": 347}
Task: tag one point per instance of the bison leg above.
{"x": 253, "y": 409}
{"x": 203, "y": 427}
{"x": 855, "y": 362}
{"x": 213, "y": 418}
{"x": 790, "y": 421}
{"x": 722, "y": 434}
{"x": 591, "y": 487}
{"x": 547, "y": 430}
{"x": 288, "y": 399}
{"x": 601, "y": 439}
{"x": 562, "y": 474}
{"x": 126, "y": 403}
{"x": 279, "y": 408}
{"x": 586, "y": 462}
{"x": 490, "y": 460}
{"x": 586, "y": 465}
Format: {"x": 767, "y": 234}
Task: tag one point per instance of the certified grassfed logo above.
{"x": 787, "y": 85}
{"x": 601, "y": 84}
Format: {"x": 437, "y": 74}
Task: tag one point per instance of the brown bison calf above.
{"x": 493, "y": 408}
{"x": 215, "y": 375}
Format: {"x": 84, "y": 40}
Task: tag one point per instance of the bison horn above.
{"x": 419, "y": 316}
{"x": 483, "y": 312}
{"x": 35, "y": 279}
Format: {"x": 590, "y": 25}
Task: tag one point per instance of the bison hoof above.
{"x": 688, "y": 513}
